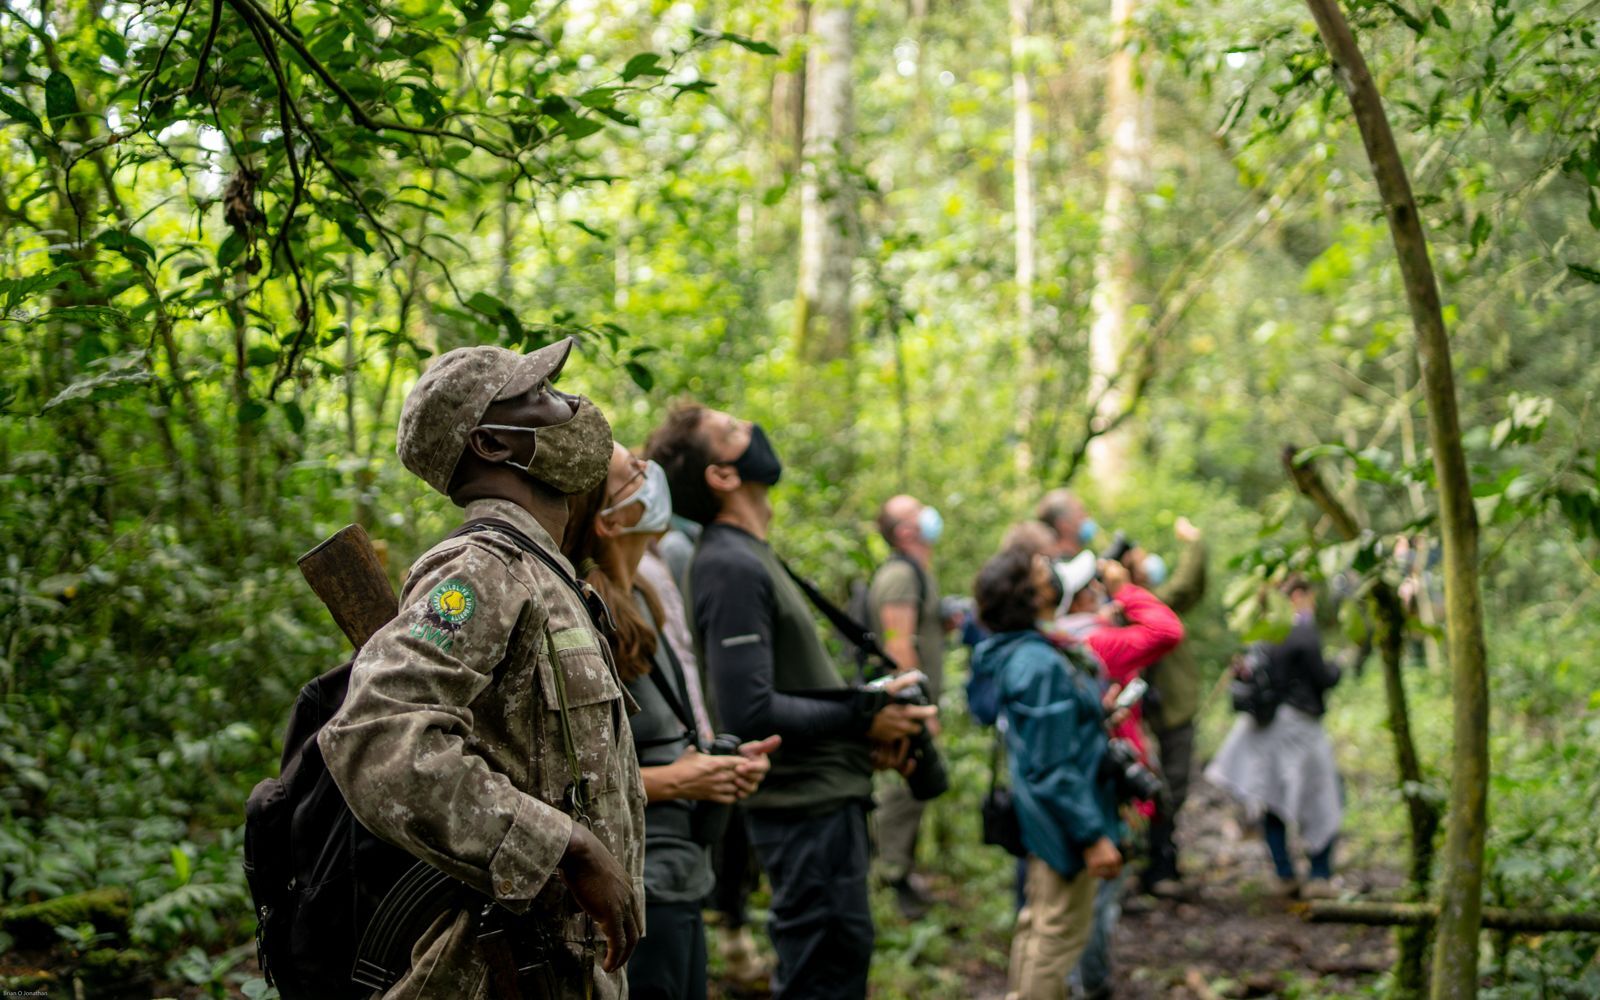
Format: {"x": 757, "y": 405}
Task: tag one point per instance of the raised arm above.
{"x": 1152, "y": 632}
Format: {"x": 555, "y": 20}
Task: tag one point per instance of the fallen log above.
{"x": 1422, "y": 914}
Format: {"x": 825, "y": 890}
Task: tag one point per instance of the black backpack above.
{"x": 1254, "y": 690}
{"x": 337, "y": 908}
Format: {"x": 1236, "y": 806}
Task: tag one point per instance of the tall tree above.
{"x": 828, "y": 220}
{"x": 1127, "y": 151}
{"x": 1455, "y": 958}
{"x": 1025, "y": 220}
{"x": 788, "y": 121}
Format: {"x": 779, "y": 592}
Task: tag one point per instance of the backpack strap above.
{"x": 922, "y": 580}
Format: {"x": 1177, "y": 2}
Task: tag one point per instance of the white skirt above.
{"x": 1286, "y": 768}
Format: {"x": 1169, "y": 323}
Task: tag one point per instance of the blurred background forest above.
{"x": 965, "y": 250}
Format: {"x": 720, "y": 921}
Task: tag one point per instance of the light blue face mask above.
{"x": 931, "y": 524}
{"x": 1087, "y": 530}
{"x": 1155, "y": 570}
{"x": 656, "y": 498}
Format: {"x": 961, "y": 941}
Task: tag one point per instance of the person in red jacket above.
{"x": 1096, "y": 595}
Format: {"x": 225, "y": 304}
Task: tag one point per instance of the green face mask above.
{"x": 570, "y": 457}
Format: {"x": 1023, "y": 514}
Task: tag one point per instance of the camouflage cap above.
{"x": 451, "y": 396}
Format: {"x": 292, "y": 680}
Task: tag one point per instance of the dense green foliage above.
{"x": 228, "y": 246}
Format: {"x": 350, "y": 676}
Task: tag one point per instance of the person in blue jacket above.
{"x": 1051, "y": 712}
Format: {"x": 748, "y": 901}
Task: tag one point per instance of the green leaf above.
{"x": 15, "y": 290}
{"x": 599, "y": 234}
{"x": 354, "y": 233}
{"x": 261, "y": 356}
{"x": 485, "y": 303}
{"x": 1440, "y": 18}
{"x": 1586, "y": 273}
{"x": 599, "y": 97}
{"x": 112, "y": 43}
{"x": 123, "y": 374}
{"x": 60, "y": 99}
{"x": 294, "y": 415}
{"x": 251, "y": 411}
{"x": 577, "y": 128}
{"x": 640, "y": 374}
{"x": 1480, "y": 230}
{"x": 1411, "y": 20}
{"x": 103, "y": 317}
{"x": 19, "y": 112}
{"x": 127, "y": 244}
{"x": 426, "y": 105}
{"x": 230, "y": 249}
{"x": 181, "y": 866}
{"x": 759, "y": 48}
{"x": 643, "y": 64}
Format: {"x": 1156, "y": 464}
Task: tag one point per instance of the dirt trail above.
{"x": 1233, "y": 937}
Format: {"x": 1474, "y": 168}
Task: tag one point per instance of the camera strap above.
{"x": 677, "y": 700}
{"x": 852, "y": 631}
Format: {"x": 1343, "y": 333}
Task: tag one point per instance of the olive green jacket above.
{"x": 1176, "y": 678}
{"x": 449, "y": 746}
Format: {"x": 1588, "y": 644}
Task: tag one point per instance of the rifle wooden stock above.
{"x": 345, "y": 572}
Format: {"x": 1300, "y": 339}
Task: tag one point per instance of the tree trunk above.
{"x": 1109, "y": 333}
{"x": 1455, "y": 959}
{"x": 1421, "y": 914}
{"x": 1026, "y": 222}
{"x": 789, "y": 100}
{"x": 827, "y": 194}
{"x": 1410, "y": 977}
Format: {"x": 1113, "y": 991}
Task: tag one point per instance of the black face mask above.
{"x": 759, "y": 462}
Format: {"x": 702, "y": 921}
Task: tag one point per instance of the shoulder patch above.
{"x": 572, "y": 638}
{"x": 451, "y": 604}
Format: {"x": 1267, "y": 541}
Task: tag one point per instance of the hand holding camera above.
{"x": 905, "y": 717}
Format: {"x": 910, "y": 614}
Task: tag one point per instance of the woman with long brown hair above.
{"x": 609, "y": 529}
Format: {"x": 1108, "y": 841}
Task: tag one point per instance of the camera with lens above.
{"x": 928, "y": 780}
{"x": 1123, "y": 768}
{"x": 1120, "y": 546}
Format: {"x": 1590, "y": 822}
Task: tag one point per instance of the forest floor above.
{"x": 1234, "y": 936}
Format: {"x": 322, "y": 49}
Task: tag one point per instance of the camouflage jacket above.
{"x": 449, "y": 746}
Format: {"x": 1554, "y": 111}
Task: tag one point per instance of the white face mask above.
{"x": 656, "y": 497}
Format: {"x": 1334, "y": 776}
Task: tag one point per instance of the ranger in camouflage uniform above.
{"x": 450, "y": 741}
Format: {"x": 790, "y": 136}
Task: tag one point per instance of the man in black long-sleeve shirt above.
{"x": 762, "y": 655}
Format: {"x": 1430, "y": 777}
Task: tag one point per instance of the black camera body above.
{"x": 721, "y": 745}
{"x": 1127, "y": 773}
{"x": 928, "y": 780}
{"x": 1120, "y": 546}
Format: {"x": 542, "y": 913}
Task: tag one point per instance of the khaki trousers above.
{"x": 897, "y": 819}
{"x": 1052, "y": 929}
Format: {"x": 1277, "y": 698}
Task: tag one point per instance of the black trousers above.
{"x": 670, "y": 962}
{"x": 1177, "y": 758}
{"x": 821, "y": 918}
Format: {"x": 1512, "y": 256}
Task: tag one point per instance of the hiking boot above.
{"x": 740, "y": 959}
{"x": 911, "y": 897}
{"x": 1287, "y": 888}
{"x": 1319, "y": 888}
{"x": 1167, "y": 888}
